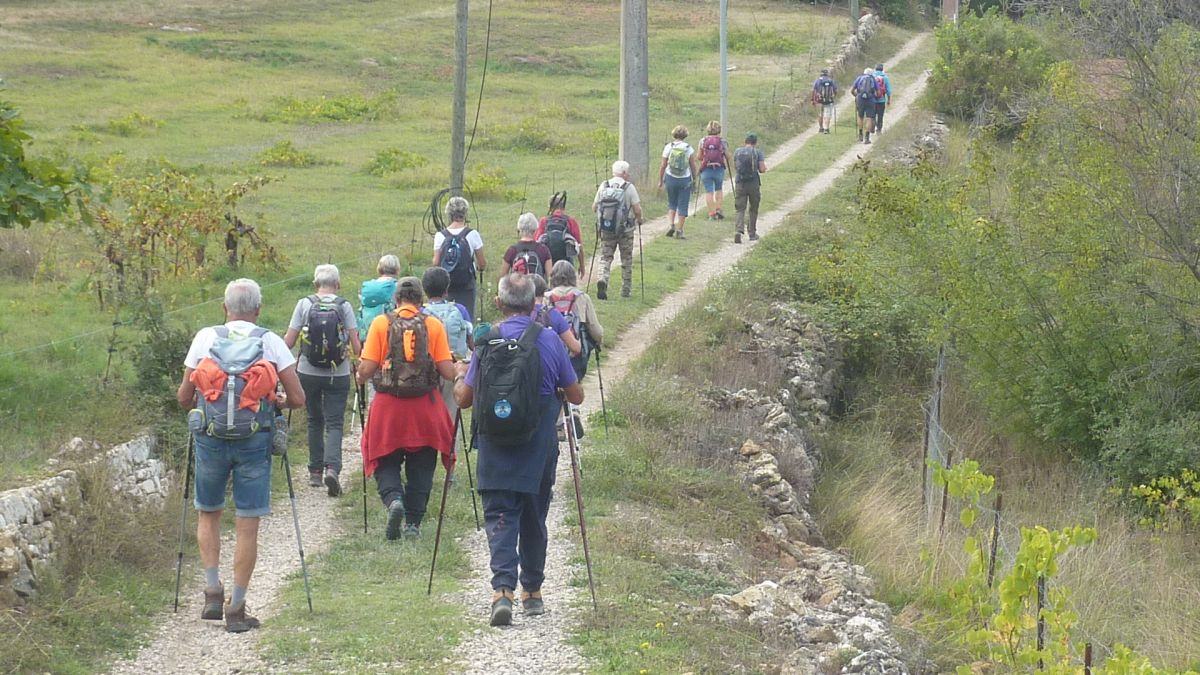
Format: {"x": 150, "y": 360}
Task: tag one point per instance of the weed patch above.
{"x": 341, "y": 108}
{"x": 394, "y": 160}
{"x": 133, "y": 124}
{"x": 286, "y": 154}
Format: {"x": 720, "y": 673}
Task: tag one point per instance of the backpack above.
{"x": 865, "y": 86}
{"x": 880, "y": 87}
{"x": 825, "y": 91}
{"x": 224, "y": 418}
{"x": 712, "y": 151}
{"x": 527, "y": 261}
{"x": 457, "y": 258}
{"x": 565, "y": 304}
{"x": 745, "y": 161}
{"x": 323, "y": 336}
{"x": 558, "y": 238}
{"x": 376, "y": 297}
{"x": 611, "y": 213}
{"x": 408, "y": 371}
{"x": 508, "y": 390}
{"x": 677, "y": 159}
{"x": 456, "y": 326}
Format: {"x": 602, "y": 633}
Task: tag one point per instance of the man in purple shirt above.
{"x": 515, "y": 481}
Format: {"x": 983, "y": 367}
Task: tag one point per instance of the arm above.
{"x": 186, "y": 395}
{"x": 445, "y": 369}
{"x": 290, "y": 337}
{"x": 480, "y": 260}
{"x": 573, "y": 393}
{"x": 437, "y": 257}
{"x": 637, "y": 213}
{"x": 662, "y": 170}
{"x": 464, "y": 394}
{"x": 355, "y": 342}
{"x": 571, "y": 342}
{"x": 366, "y": 369}
{"x": 505, "y": 268}
{"x": 692, "y": 165}
{"x": 291, "y": 387}
{"x": 594, "y": 329}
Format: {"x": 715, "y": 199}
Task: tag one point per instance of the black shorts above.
{"x": 879, "y": 108}
{"x": 865, "y": 108}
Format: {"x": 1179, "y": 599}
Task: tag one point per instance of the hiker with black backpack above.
{"x": 512, "y": 384}
{"x": 325, "y": 326}
{"x": 883, "y": 95}
{"x": 526, "y": 256}
{"x": 618, "y": 212}
{"x": 824, "y": 96}
{"x": 225, "y": 367}
{"x": 458, "y": 249}
{"x": 561, "y": 233}
{"x": 677, "y": 173}
{"x": 749, "y": 163}
{"x": 864, "y": 104}
{"x": 406, "y": 356}
{"x": 715, "y": 158}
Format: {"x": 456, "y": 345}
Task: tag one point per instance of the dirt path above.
{"x": 540, "y": 644}
{"x": 185, "y": 644}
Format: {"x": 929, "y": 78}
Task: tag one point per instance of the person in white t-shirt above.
{"x": 677, "y": 173}
{"x": 458, "y": 249}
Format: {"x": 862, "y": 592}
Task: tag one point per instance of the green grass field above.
{"x": 212, "y": 86}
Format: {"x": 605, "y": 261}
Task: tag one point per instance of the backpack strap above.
{"x": 221, "y": 331}
{"x": 530, "y": 335}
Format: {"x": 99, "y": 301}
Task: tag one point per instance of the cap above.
{"x": 409, "y": 282}
{"x": 824, "y": 71}
{"x": 752, "y": 138}
{"x": 879, "y": 67}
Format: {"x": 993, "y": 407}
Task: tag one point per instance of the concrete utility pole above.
{"x": 724, "y": 66}
{"x": 635, "y": 91}
{"x": 855, "y": 14}
{"x": 458, "y": 130}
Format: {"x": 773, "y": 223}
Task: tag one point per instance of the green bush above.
{"x": 133, "y": 124}
{"x": 286, "y": 154}
{"x": 394, "y": 160}
{"x": 760, "y": 41}
{"x": 343, "y": 108}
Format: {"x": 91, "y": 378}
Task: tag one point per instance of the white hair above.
{"x": 389, "y": 265}
{"x": 456, "y": 209}
{"x": 243, "y": 298}
{"x": 516, "y": 292}
{"x": 527, "y": 224}
{"x": 868, "y": 71}
{"x": 620, "y": 167}
{"x": 327, "y": 276}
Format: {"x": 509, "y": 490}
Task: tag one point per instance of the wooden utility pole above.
{"x": 725, "y": 67}
{"x": 634, "y": 118}
{"x": 458, "y": 131}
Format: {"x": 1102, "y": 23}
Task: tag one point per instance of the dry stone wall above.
{"x": 856, "y": 43}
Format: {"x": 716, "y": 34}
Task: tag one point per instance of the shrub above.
{"x": 760, "y": 41}
{"x": 133, "y": 124}
{"x": 531, "y": 134}
{"x": 30, "y": 190}
{"x": 286, "y": 154}
{"x": 486, "y": 182}
{"x": 394, "y": 160}
{"x": 343, "y": 108}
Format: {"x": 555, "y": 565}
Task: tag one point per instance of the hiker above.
{"x": 714, "y": 160}
{"x": 578, "y": 310}
{"x": 375, "y": 296}
{"x": 324, "y": 325}
{"x": 618, "y": 210}
{"x": 458, "y": 249}
{"x": 551, "y": 318}
{"x": 526, "y": 256}
{"x": 863, "y": 90}
{"x": 238, "y": 446}
{"x": 518, "y": 447}
{"x": 455, "y": 320}
{"x": 406, "y": 355}
{"x": 561, "y": 233}
{"x": 676, "y": 172}
{"x": 749, "y": 163}
{"x": 883, "y": 95}
{"x": 824, "y": 95}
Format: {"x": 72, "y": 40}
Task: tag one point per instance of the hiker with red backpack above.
{"x": 561, "y": 233}
{"x": 325, "y": 326}
{"x": 863, "y": 90}
{"x": 548, "y": 316}
{"x": 234, "y": 367}
{"x": 883, "y": 95}
{"x": 526, "y": 256}
{"x": 715, "y": 159}
{"x": 458, "y": 249}
{"x": 406, "y": 356}
{"x": 579, "y": 312}
{"x": 824, "y": 95}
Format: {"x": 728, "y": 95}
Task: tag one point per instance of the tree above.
{"x": 31, "y": 190}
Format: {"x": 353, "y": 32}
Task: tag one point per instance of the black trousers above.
{"x": 418, "y": 468}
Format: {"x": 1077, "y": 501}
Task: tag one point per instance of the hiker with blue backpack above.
{"x": 458, "y": 249}
{"x": 457, "y": 322}
{"x": 883, "y": 95}
{"x": 561, "y": 233}
{"x": 677, "y": 173}
{"x": 527, "y": 256}
{"x": 376, "y": 296}
{"x": 863, "y": 90}
{"x": 824, "y": 96}
{"x": 226, "y": 367}
{"x": 325, "y": 326}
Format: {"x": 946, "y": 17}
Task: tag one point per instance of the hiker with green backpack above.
{"x": 325, "y": 326}
{"x": 677, "y": 173}
{"x": 375, "y": 296}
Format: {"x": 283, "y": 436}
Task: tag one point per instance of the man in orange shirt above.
{"x": 408, "y": 425}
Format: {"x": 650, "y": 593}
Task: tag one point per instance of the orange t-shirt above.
{"x": 376, "y": 347}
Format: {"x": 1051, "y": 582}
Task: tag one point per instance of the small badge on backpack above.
{"x": 502, "y": 409}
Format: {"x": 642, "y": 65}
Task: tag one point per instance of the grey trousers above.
{"x": 325, "y": 401}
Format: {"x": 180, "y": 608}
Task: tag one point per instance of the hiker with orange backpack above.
{"x": 237, "y": 445}
{"x": 715, "y": 160}
{"x": 526, "y": 256}
{"x": 406, "y": 356}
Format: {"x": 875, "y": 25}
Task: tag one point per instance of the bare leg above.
{"x": 208, "y": 536}
{"x": 245, "y": 554}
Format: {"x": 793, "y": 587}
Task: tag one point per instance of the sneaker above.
{"x": 679, "y": 235}
{"x": 395, "y": 520}
{"x": 412, "y": 532}
{"x": 671, "y": 232}
{"x": 754, "y": 237}
{"x": 331, "y": 482}
{"x": 238, "y": 621}
{"x": 214, "y": 604}
{"x": 602, "y": 289}
{"x": 531, "y": 603}
{"x": 502, "y": 606}
{"x": 315, "y": 478}
{"x": 867, "y": 142}
{"x": 737, "y": 238}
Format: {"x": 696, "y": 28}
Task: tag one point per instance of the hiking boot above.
{"x": 315, "y": 478}
{"x": 720, "y": 215}
{"x": 502, "y": 606}
{"x": 671, "y": 232}
{"x": 602, "y": 289}
{"x": 578, "y": 426}
{"x": 867, "y": 142}
{"x": 531, "y": 603}
{"x": 679, "y": 235}
{"x": 395, "y": 520}
{"x": 860, "y": 135}
{"x": 412, "y": 532}
{"x": 237, "y": 620}
{"x": 214, "y": 603}
{"x": 626, "y": 292}
{"x": 754, "y": 237}
{"x": 737, "y": 238}
{"x": 331, "y": 482}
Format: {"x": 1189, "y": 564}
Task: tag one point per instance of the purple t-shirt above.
{"x": 558, "y": 322}
{"x": 557, "y": 372}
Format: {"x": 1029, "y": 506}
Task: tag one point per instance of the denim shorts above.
{"x": 713, "y": 178}
{"x": 679, "y": 193}
{"x": 248, "y": 460}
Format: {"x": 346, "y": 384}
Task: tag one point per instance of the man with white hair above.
{"x": 246, "y": 459}
{"x": 618, "y": 212}
{"x": 458, "y": 249}
{"x": 325, "y": 326}
{"x": 864, "y": 104}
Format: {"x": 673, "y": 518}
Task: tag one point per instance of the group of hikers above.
{"x": 415, "y": 352}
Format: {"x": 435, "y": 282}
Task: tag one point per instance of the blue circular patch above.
{"x": 502, "y": 409}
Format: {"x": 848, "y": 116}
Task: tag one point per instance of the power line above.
{"x": 487, "y": 49}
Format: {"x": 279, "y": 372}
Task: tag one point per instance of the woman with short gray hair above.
{"x": 458, "y": 249}
{"x": 526, "y": 256}
{"x": 377, "y": 296}
{"x": 578, "y": 309}
{"x": 389, "y": 266}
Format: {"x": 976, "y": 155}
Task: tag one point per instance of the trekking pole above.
{"x": 479, "y": 299}
{"x": 603, "y": 405}
{"x": 470, "y": 474}
{"x": 592, "y": 264}
{"x": 287, "y": 471}
{"x": 437, "y": 537}
{"x": 641, "y": 262}
{"x": 587, "y": 555}
{"x": 187, "y": 484}
{"x": 360, "y": 405}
